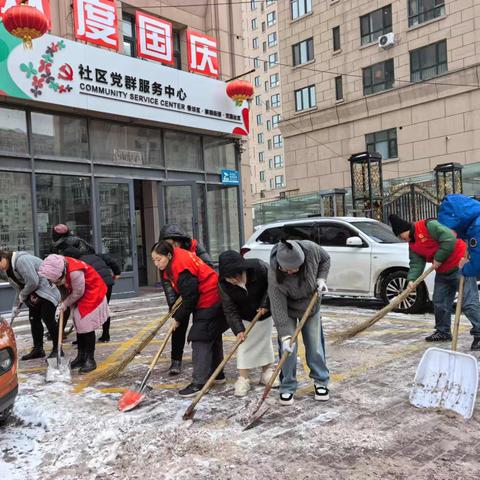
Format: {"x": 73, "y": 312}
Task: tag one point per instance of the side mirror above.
{"x": 354, "y": 242}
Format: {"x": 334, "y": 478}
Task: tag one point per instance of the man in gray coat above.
{"x": 20, "y": 269}
{"x": 298, "y": 268}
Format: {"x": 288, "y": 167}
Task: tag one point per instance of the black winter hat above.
{"x": 230, "y": 263}
{"x": 173, "y": 232}
{"x": 398, "y": 224}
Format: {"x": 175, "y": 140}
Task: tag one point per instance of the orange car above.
{"x": 8, "y": 370}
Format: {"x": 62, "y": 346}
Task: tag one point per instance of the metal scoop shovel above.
{"x": 446, "y": 378}
{"x": 58, "y": 369}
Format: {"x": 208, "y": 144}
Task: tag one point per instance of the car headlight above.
{"x": 6, "y": 360}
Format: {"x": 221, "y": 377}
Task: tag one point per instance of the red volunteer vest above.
{"x": 425, "y": 246}
{"x": 207, "y": 277}
{"x": 95, "y": 288}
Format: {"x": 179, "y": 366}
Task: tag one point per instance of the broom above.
{"x": 356, "y": 329}
{"x": 116, "y": 368}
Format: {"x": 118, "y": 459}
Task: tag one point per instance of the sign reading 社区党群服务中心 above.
{"x": 62, "y": 72}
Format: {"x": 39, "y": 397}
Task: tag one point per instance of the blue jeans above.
{"x": 312, "y": 334}
{"x": 446, "y": 286}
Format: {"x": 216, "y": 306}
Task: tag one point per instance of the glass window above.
{"x": 125, "y": 144}
{"x": 269, "y": 125}
{"x": 334, "y": 235}
{"x": 256, "y": 62}
{"x": 302, "y": 52}
{"x": 272, "y": 39}
{"x": 254, "y": 24}
{"x": 257, "y": 81}
{"x": 259, "y": 119}
{"x": 338, "y": 88}
{"x": 272, "y": 59}
{"x": 253, "y": 5}
{"x": 270, "y": 163}
{"x": 277, "y": 141}
{"x": 379, "y": 232}
{"x": 279, "y": 182}
{"x": 299, "y": 8}
{"x": 260, "y": 138}
{"x": 183, "y": 150}
{"x": 269, "y": 2}
{"x": 305, "y": 98}
{"x": 223, "y": 219}
{"x": 275, "y": 120}
{"x": 262, "y": 175}
{"x": 13, "y": 131}
{"x": 267, "y": 105}
{"x": 16, "y": 226}
{"x": 275, "y": 100}
{"x": 378, "y": 77}
{"x": 261, "y": 157}
{"x": 115, "y": 223}
{"x": 219, "y": 153}
{"x": 274, "y": 80}
{"x": 266, "y": 86}
{"x": 271, "y": 236}
{"x": 429, "y": 61}
{"x": 264, "y": 28}
{"x": 255, "y": 42}
{"x": 63, "y": 199}
{"x": 265, "y": 67}
{"x": 383, "y": 142}
{"x": 258, "y": 100}
{"x": 128, "y": 29}
{"x": 277, "y": 161}
{"x": 336, "y": 38}
{"x": 264, "y": 46}
{"x": 271, "y": 19}
{"x": 271, "y": 183}
{"x": 420, "y": 11}
{"x": 177, "y": 53}
{"x": 269, "y": 143}
{"x": 59, "y": 135}
{"x": 375, "y": 23}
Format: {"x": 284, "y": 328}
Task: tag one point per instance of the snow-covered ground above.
{"x": 367, "y": 430}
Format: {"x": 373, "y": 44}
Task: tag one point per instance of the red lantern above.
{"x": 240, "y": 90}
{"x": 25, "y": 22}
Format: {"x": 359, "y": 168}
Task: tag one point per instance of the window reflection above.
{"x": 13, "y": 131}
{"x": 183, "y": 150}
{"x": 219, "y": 153}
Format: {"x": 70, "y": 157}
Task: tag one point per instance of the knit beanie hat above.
{"x": 290, "y": 254}
{"x": 398, "y": 224}
{"x": 60, "y": 230}
{"x": 231, "y": 263}
{"x": 52, "y": 267}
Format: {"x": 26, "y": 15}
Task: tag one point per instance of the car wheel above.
{"x": 395, "y": 283}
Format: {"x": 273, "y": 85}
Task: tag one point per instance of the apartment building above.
{"x": 265, "y": 148}
{"x": 117, "y": 122}
{"x": 400, "y": 78}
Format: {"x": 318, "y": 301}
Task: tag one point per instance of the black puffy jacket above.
{"x": 70, "y": 240}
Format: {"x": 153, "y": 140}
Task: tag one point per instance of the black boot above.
{"x": 79, "y": 361}
{"x": 475, "y": 344}
{"x": 37, "y": 352}
{"x": 53, "y": 353}
{"x": 105, "y": 331}
{"x": 175, "y": 367}
{"x": 89, "y": 365}
{"x": 104, "y": 338}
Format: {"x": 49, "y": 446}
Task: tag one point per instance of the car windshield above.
{"x": 377, "y": 231}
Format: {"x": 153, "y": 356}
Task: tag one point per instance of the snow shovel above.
{"x": 131, "y": 398}
{"x": 446, "y": 378}
{"x": 258, "y": 411}
{"x": 58, "y": 369}
{"x": 190, "y": 411}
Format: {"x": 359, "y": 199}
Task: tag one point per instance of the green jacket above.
{"x": 447, "y": 240}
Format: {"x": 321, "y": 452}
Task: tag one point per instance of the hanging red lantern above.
{"x": 240, "y": 90}
{"x": 25, "y": 22}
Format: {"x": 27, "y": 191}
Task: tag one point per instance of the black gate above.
{"x": 410, "y": 202}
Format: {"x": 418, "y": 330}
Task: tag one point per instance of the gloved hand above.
{"x": 286, "y": 347}
{"x": 321, "y": 286}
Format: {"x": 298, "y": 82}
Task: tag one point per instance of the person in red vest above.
{"x": 430, "y": 241}
{"x": 176, "y": 237}
{"x": 86, "y": 297}
{"x": 197, "y": 284}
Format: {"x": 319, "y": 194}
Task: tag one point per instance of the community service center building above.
{"x": 115, "y": 145}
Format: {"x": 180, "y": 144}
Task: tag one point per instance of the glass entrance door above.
{"x": 180, "y": 206}
{"x": 116, "y": 232}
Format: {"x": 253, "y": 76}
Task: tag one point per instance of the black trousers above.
{"x": 86, "y": 342}
{"x": 45, "y": 311}
{"x": 106, "y": 325}
{"x": 178, "y": 341}
{"x": 206, "y": 356}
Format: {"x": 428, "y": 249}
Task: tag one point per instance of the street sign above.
{"x": 230, "y": 177}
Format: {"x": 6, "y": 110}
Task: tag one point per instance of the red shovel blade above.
{"x": 129, "y": 400}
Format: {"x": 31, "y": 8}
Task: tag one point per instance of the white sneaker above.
{"x": 286, "y": 399}
{"x": 242, "y": 386}
{"x": 321, "y": 393}
{"x": 265, "y": 377}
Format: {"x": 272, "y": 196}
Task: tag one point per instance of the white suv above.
{"x": 367, "y": 260}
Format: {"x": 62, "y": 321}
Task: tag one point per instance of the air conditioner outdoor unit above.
{"x": 386, "y": 41}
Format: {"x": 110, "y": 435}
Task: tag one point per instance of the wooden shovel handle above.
{"x": 60, "y": 338}
{"x": 458, "y": 312}
{"x": 222, "y": 364}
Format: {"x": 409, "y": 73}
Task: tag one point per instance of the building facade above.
{"x": 399, "y": 78}
{"x": 265, "y": 148}
{"x": 116, "y": 146}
